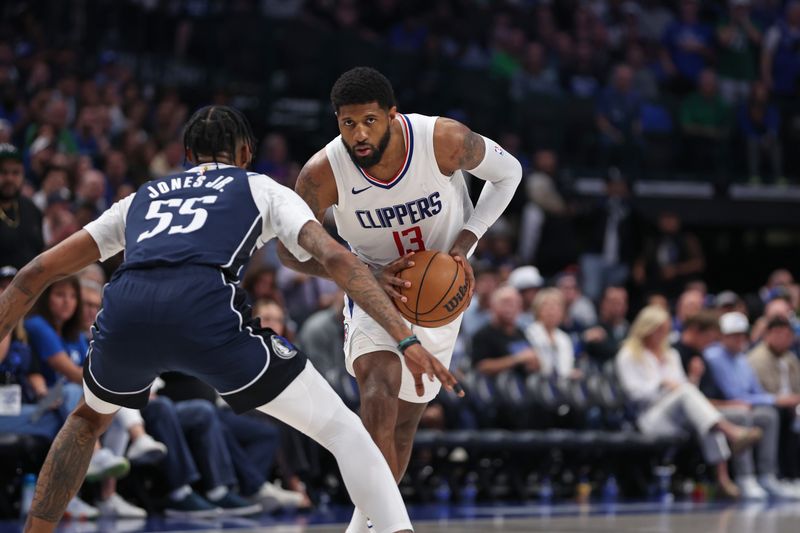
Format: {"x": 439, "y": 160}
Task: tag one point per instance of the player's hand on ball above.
{"x": 468, "y": 273}
{"x": 387, "y": 276}
{"x": 420, "y": 362}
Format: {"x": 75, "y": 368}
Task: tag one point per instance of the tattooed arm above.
{"x": 355, "y": 278}
{"x": 317, "y": 187}
{"x": 67, "y": 257}
{"x": 458, "y": 148}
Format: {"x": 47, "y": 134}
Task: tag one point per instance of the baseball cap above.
{"x": 734, "y": 322}
{"x": 7, "y": 271}
{"x": 9, "y": 151}
{"x": 525, "y": 277}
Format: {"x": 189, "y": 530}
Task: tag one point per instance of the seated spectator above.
{"x": 698, "y": 331}
{"x": 778, "y": 284}
{"x": 20, "y": 368}
{"x": 689, "y": 303}
{"x": 580, "y": 309}
{"x": 501, "y": 345}
{"x": 479, "y": 313}
{"x": 645, "y": 82}
{"x": 20, "y": 221}
{"x": 778, "y": 372}
{"x": 552, "y": 346}
{"x": 581, "y": 76}
{"x": 735, "y": 379}
{"x": 739, "y": 39}
{"x": 759, "y": 124}
{"x": 603, "y": 341}
{"x": 706, "y": 124}
{"x": 728, "y": 301}
{"x": 260, "y": 282}
{"x": 619, "y": 120}
{"x": 687, "y": 46}
{"x": 669, "y": 259}
{"x": 322, "y": 335}
{"x": 651, "y": 374}
{"x": 528, "y": 281}
{"x": 778, "y": 307}
{"x": 535, "y": 76}
{"x": 54, "y": 181}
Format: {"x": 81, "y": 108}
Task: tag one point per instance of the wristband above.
{"x": 405, "y": 343}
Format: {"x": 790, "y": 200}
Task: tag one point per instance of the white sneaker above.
{"x": 751, "y": 490}
{"x": 105, "y": 464}
{"x": 777, "y": 488}
{"x": 116, "y": 507}
{"x": 146, "y": 450}
{"x": 80, "y": 510}
{"x": 273, "y": 497}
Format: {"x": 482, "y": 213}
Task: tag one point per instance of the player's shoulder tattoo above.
{"x": 460, "y": 147}
{"x": 472, "y": 151}
{"x": 315, "y": 184}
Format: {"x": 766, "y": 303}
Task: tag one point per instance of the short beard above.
{"x": 4, "y": 197}
{"x": 377, "y": 153}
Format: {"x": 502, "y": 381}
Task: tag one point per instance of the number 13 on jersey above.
{"x": 408, "y": 240}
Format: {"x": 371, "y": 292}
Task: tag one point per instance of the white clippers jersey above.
{"x": 419, "y": 209}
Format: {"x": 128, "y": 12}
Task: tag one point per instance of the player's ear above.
{"x": 187, "y": 154}
{"x": 244, "y": 155}
{"x": 392, "y": 112}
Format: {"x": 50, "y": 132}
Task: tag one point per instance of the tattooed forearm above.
{"x": 311, "y": 267}
{"x": 18, "y": 298}
{"x": 354, "y": 277}
{"x": 472, "y": 151}
{"x": 63, "y": 470}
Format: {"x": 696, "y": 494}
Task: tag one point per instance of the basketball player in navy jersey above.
{"x": 174, "y": 305}
{"x": 396, "y": 186}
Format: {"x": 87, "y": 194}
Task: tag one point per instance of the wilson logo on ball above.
{"x": 452, "y": 304}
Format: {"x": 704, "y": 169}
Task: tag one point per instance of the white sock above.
{"x": 358, "y": 524}
{"x": 217, "y": 493}
{"x": 180, "y": 493}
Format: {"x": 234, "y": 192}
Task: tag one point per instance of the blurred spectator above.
{"x": 20, "y": 221}
{"x": 52, "y": 128}
{"x": 689, "y": 303}
{"x": 645, "y": 82}
{"x": 528, "y": 281}
{"x": 273, "y": 159}
{"x": 603, "y": 341}
{"x": 759, "y": 124}
{"x": 581, "y": 76}
{"x": 259, "y": 281}
{"x": 545, "y": 204}
{"x": 535, "y": 77}
{"x": 736, "y": 380}
{"x": 580, "y": 313}
{"x": 778, "y": 284}
{"x": 118, "y": 184}
{"x": 478, "y": 314}
{"x": 670, "y": 258}
{"x": 651, "y": 374}
{"x": 304, "y": 294}
{"x": 706, "y": 124}
{"x": 739, "y": 40}
{"x": 610, "y": 227}
{"x": 59, "y": 220}
{"x": 778, "y": 371}
{"x": 553, "y": 347}
{"x": 169, "y": 160}
{"x": 55, "y": 180}
{"x": 728, "y": 301}
{"x": 687, "y": 46}
{"x": 619, "y": 119}
{"x": 778, "y": 307}
{"x": 654, "y": 18}
{"x": 501, "y": 345}
{"x": 699, "y": 330}
{"x": 91, "y": 190}
{"x": 780, "y": 62}
{"x": 322, "y": 335}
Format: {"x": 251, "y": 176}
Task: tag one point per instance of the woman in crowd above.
{"x": 652, "y": 376}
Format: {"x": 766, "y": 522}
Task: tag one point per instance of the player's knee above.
{"x": 97, "y": 423}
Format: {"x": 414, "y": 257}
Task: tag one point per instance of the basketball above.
{"x": 438, "y": 289}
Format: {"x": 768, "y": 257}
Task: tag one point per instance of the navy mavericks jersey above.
{"x": 213, "y": 214}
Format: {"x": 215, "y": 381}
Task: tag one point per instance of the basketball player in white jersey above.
{"x": 396, "y": 186}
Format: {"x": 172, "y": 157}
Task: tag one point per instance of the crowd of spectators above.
{"x": 82, "y": 125}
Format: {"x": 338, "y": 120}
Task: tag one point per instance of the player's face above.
{"x": 91, "y": 305}
{"x": 366, "y": 130}
{"x": 11, "y": 174}
{"x": 63, "y": 302}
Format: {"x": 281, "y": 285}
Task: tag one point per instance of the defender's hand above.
{"x": 387, "y": 276}
{"x": 419, "y": 361}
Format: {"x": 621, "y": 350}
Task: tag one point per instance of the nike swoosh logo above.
{"x": 359, "y": 191}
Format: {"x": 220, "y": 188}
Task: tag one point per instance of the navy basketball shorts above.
{"x": 185, "y": 319}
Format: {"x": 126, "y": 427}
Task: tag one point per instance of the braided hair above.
{"x": 215, "y": 130}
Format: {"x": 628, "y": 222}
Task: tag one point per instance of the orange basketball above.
{"x": 438, "y": 289}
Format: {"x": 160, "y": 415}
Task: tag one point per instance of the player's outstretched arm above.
{"x": 356, "y": 279}
{"x": 316, "y": 185}
{"x": 74, "y": 253}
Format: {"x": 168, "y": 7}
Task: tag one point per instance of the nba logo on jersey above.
{"x": 282, "y": 347}
{"x": 498, "y": 149}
